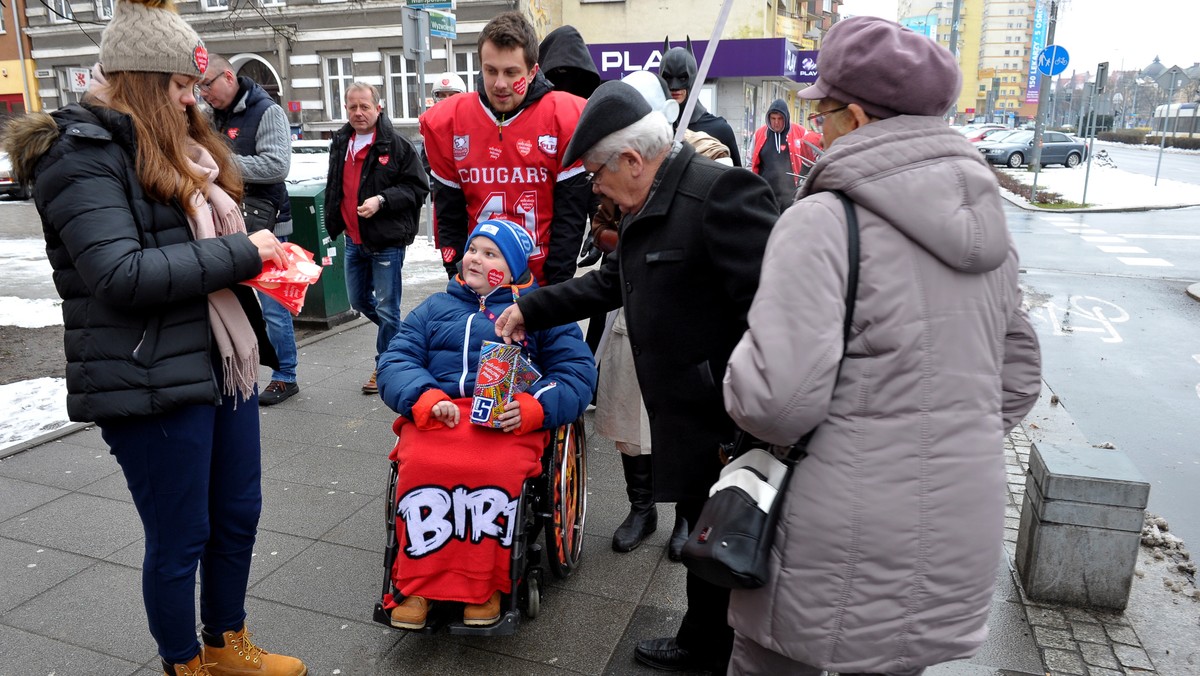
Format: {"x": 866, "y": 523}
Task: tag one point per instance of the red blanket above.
{"x": 456, "y": 507}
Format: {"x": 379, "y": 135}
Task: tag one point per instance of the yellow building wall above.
{"x": 970, "y": 32}
{"x": 652, "y": 20}
{"x": 10, "y": 77}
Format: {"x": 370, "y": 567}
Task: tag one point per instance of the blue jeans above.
{"x": 194, "y": 474}
{"x": 374, "y": 286}
{"x": 281, "y": 334}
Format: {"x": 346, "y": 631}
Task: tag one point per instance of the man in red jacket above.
{"x": 783, "y": 152}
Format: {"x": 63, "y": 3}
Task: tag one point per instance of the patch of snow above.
{"x": 1111, "y": 188}
{"x": 30, "y": 313}
{"x": 32, "y": 408}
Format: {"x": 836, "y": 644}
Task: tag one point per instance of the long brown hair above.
{"x": 162, "y": 134}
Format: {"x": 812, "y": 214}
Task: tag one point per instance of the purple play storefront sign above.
{"x": 757, "y": 57}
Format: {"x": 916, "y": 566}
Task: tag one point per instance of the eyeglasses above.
{"x": 817, "y": 120}
{"x": 205, "y": 85}
{"x": 593, "y": 176}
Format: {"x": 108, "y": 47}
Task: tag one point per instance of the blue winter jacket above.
{"x": 438, "y": 347}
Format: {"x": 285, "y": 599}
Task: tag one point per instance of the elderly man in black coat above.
{"x": 685, "y": 270}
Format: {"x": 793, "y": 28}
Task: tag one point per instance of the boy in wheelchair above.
{"x": 459, "y": 483}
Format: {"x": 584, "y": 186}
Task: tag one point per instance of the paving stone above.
{"x": 1123, "y": 635}
{"x": 1048, "y": 637}
{"x": 1064, "y": 661}
{"x": 1078, "y": 615}
{"x": 1098, "y": 655}
{"x": 1101, "y": 671}
{"x": 1133, "y": 658}
{"x": 1047, "y": 617}
{"x": 1088, "y": 632}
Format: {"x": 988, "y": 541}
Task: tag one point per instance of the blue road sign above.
{"x": 1053, "y": 60}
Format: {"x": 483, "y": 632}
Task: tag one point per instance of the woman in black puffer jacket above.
{"x": 139, "y": 205}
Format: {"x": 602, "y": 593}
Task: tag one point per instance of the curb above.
{"x": 1022, "y": 203}
{"x": 1194, "y": 291}
{"x": 71, "y": 428}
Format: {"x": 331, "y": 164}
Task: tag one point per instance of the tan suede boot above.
{"x": 480, "y": 614}
{"x": 232, "y": 654}
{"x": 411, "y": 614}
{"x": 192, "y": 667}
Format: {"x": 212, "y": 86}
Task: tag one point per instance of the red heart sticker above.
{"x": 494, "y": 277}
{"x": 448, "y": 254}
{"x": 520, "y": 85}
{"x": 200, "y": 56}
{"x": 384, "y": 159}
{"x": 491, "y": 372}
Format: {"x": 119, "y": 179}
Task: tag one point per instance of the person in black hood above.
{"x": 564, "y": 58}
{"x": 678, "y": 68}
{"x": 780, "y": 153}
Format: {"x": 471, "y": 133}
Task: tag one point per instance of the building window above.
{"x": 104, "y": 9}
{"x": 272, "y": 3}
{"x": 214, "y": 5}
{"x": 60, "y": 11}
{"x": 339, "y": 73}
{"x": 464, "y": 66}
{"x": 402, "y": 91}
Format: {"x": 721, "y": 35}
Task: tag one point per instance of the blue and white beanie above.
{"x": 514, "y": 243}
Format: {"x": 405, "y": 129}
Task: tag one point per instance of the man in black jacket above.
{"x": 685, "y": 270}
{"x": 258, "y": 130}
{"x": 375, "y": 190}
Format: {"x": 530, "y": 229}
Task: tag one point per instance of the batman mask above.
{"x": 678, "y": 68}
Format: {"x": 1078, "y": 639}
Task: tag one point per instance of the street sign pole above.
{"x": 1047, "y": 72}
{"x": 1090, "y": 138}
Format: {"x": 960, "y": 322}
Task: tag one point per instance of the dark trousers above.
{"x": 705, "y": 627}
{"x": 194, "y": 474}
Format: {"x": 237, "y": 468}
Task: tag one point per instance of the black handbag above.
{"x": 259, "y": 213}
{"x": 730, "y": 544}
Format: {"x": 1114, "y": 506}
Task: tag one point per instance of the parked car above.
{"x": 994, "y": 135}
{"x": 310, "y": 161}
{"x": 7, "y": 185}
{"x": 972, "y": 129}
{"x": 1016, "y": 149}
{"x": 985, "y": 132}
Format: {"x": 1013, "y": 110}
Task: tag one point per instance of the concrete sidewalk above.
{"x": 71, "y": 549}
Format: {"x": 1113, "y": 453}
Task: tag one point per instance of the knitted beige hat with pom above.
{"x": 149, "y": 35}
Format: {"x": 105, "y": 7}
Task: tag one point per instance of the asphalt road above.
{"x": 1121, "y": 338}
{"x": 1175, "y": 166}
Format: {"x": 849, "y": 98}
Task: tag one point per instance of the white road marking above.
{"x": 1179, "y": 237}
{"x": 1095, "y": 239}
{"x": 1197, "y": 358}
{"x": 1146, "y": 262}
{"x": 1121, "y": 249}
{"x": 1053, "y": 218}
{"x": 1084, "y": 231}
{"x": 1064, "y": 321}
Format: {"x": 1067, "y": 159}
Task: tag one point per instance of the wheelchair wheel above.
{"x": 568, "y": 499}
{"x": 533, "y": 598}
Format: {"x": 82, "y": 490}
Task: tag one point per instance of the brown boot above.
{"x": 192, "y": 667}
{"x": 232, "y": 654}
{"x": 480, "y": 614}
{"x": 371, "y": 387}
{"x": 411, "y": 613}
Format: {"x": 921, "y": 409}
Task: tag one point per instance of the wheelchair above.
{"x": 552, "y": 508}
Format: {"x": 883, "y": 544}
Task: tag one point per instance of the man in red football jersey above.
{"x": 497, "y": 153}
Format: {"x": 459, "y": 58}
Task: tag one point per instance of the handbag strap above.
{"x": 797, "y": 450}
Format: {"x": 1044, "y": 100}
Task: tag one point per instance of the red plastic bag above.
{"x": 288, "y": 285}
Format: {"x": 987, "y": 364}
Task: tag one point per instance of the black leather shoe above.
{"x": 276, "y": 392}
{"x": 666, "y": 655}
{"x": 679, "y": 538}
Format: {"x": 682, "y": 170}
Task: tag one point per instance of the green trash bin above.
{"x": 327, "y": 303}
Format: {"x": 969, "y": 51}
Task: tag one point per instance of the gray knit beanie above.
{"x": 150, "y": 36}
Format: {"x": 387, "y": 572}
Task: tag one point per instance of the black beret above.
{"x": 612, "y": 107}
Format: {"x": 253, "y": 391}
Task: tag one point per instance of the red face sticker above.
{"x": 520, "y": 85}
{"x": 384, "y": 159}
{"x": 200, "y": 56}
{"x": 495, "y": 277}
{"x": 492, "y": 371}
{"x": 447, "y": 254}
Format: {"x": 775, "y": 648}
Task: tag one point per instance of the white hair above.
{"x": 648, "y": 137}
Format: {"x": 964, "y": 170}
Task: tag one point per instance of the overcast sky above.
{"x": 1116, "y": 31}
